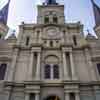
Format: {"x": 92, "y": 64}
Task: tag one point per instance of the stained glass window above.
{"x": 56, "y": 71}
{"x": 47, "y": 71}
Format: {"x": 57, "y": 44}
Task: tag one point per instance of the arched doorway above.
{"x": 52, "y": 97}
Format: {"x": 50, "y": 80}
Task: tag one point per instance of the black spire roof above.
{"x": 50, "y": 2}
{"x": 96, "y": 10}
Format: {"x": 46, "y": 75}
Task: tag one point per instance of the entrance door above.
{"x": 52, "y": 98}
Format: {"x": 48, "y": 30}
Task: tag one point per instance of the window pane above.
{"x": 56, "y": 71}
{"x": 2, "y": 71}
{"x": 98, "y": 67}
{"x": 47, "y": 72}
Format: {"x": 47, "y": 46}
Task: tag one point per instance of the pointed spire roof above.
{"x": 4, "y": 13}
{"x": 96, "y": 10}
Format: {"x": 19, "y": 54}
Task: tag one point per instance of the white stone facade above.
{"x": 50, "y": 43}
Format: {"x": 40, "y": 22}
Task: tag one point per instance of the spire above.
{"x": 4, "y": 13}
{"x": 50, "y": 2}
{"x": 96, "y": 10}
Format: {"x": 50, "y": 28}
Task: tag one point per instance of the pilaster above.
{"x": 27, "y": 96}
{"x": 11, "y": 74}
{"x": 74, "y": 77}
{"x": 89, "y": 64}
{"x": 38, "y": 67}
{"x": 66, "y": 76}
{"x": 30, "y": 73}
{"x": 67, "y": 96}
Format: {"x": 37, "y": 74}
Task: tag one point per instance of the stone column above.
{"x": 30, "y": 69}
{"x": 21, "y": 31}
{"x": 38, "y": 67}
{"x": 67, "y": 96}
{"x": 40, "y": 36}
{"x": 27, "y": 96}
{"x": 77, "y": 96}
{"x": 66, "y": 76}
{"x": 11, "y": 75}
{"x": 72, "y": 67}
{"x": 90, "y": 66}
{"x": 37, "y": 97}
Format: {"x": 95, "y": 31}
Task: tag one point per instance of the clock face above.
{"x": 51, "y": 32}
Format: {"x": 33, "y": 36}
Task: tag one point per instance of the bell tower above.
{"x": 50, "y": 12}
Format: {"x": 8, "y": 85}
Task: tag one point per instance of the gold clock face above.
{"x": 52, "y": 32}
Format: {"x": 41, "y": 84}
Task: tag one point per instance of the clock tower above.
{"x": 50, "y": 13}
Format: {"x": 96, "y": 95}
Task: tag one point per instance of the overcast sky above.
{"x": 75, "y": 10}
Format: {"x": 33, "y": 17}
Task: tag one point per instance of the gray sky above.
{"x": 75, "y": 10}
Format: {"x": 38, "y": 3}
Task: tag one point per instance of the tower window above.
{"x": 98, "y": 68}
{"x": 55, "y": 19}
{"x": 72, "y": 96}
{"x": 2, "y": 71}
{"x": 56, "y": 71}
{"x": 47, "y": 71}
{"x": 74, "y": 40}
{"x": 27, "y": 40}
{"x": 46, "y": 20}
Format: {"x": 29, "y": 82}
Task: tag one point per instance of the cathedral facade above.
{"x": 50, "y": 60}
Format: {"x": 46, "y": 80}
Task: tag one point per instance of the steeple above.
{"x": 96, "y": 10}
{"x": 51, "y": 2}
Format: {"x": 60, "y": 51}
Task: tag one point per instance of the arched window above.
{"x": 55, "y": 19}
{"x": 51, "y": 72}
{"x": 46, "y": 20}
{"x": 51, "y": 69}
{"x": 3, "y": 68}
{"x": 47, "y": 72}
{"x": 27, "y": 40}
{"x": 55, "y": 71}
